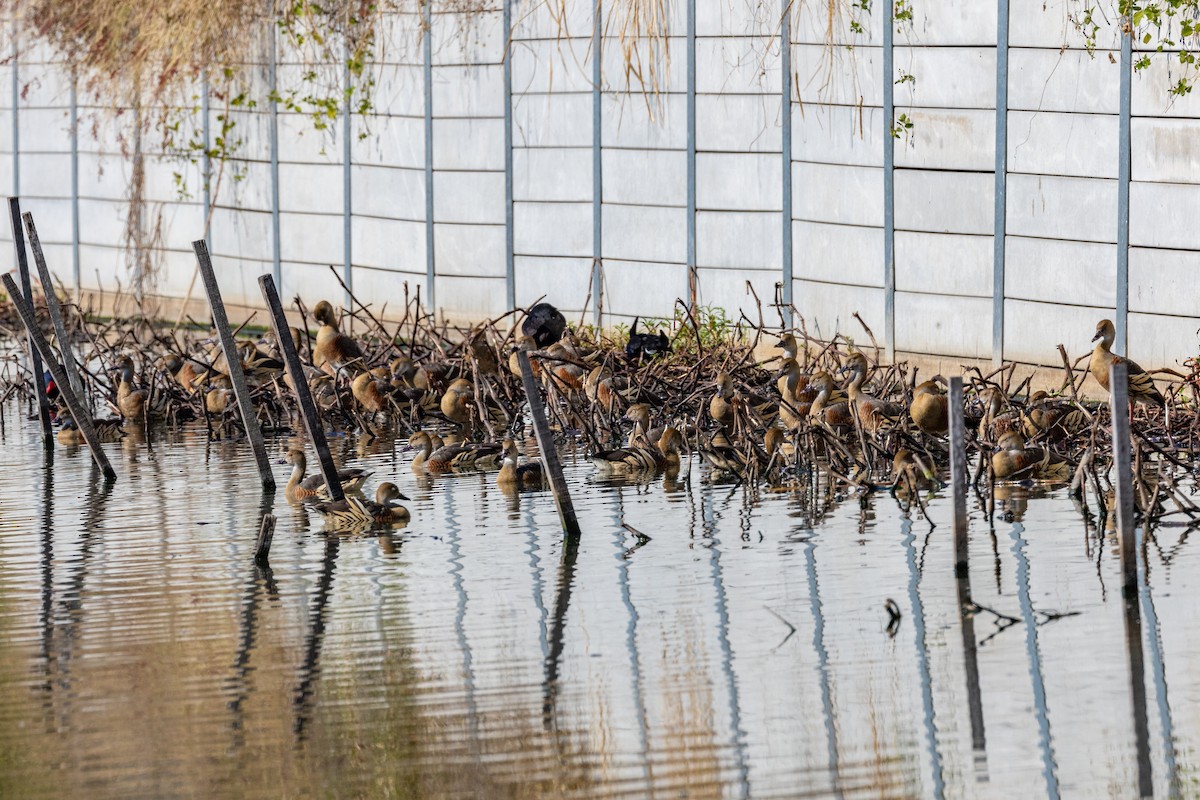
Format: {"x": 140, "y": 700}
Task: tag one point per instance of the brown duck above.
{"x": 1141, "y": 385}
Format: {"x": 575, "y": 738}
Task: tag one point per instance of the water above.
{"x": 740, "y": 652}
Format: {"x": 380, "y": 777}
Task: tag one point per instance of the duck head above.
{"x": 1106, "y": 332}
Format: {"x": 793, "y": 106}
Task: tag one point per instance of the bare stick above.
{"x": 958, "y": 474}
{"x": 558, "y": 484}
{"x": 1119, "y": 400}
{"x": 266, "y": 533}
{"x": 35, "y": 358}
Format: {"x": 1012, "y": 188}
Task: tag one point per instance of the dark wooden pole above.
{"x": 234, "y": 361}
{"x": 308, "y": 409}
{"x": 541, "y": 429}
{"x": 958, "y": 474}
{"x": 35, "y": 358}
{"x": 82, "y": 415}
{"x": 1118, "y": 382}
{"x": 60, "y": 330}
{"x": 266, "y": 533}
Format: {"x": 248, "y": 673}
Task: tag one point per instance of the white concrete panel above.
{"x": 470, "y": 299}
{"x": 558, "y": 21}
{"x": 564, "y": 281}
{"x": 399, "y": 37}
{"x": 644, "y": 177}
{"x": 311, "y": 238}
{"x": 476, "y": 197}
{"x": 1072, "y": 273}
{"x": 313, "y": 282}
{"x": 938, "y": 325}
{"x": 388, "y": 244}
{"x": 738, "y": 123}
{"x": 1033, "y": 331}
{"x": 945, "y": 202}
{"x": 838, "y": 135}
{"x": 552, "y": 120}
{"x": 102, "y": 221}
{"x": 1054, "y": 80}
{"x": 829, "y": 308}
{"x": 642, "y": 289}
{"x": 838, "y": 76}
{"x": 552, "y": 174}
{"x": 737, "y": 65}
{"x": 644, "y": 233}
{"x": 46, "y": 175}
{"x": 301, "y": 143}
{"x": 550, "y": 65}
{"x": 468, "y": 91}
{"x": 1151, "y": 90}
{"x": 626, "y": 122}
{"x": 166, "y": 180}
{"x": 1165, "y": 150}
{"x": 400, "y": 89}
{"x": 468, "y": 144}
{"x": 103, "y": 177}
{"x": 732, "y": 18}
{"x": 845, "y": 253}
{"x": 475, "y": 38}
{"x": 1163, "y": 214}
{"x": 944, "y": 263}
{"x": 1163, "y": 281}
{"x": 392, "y": 142}
{"x": 957, "y": 140}
{"x": 812, "y": 23}
{"x": 43, "y": 85}
{"x": 53, "y": 219}
{"x": 1158, "y": 341}
{"x": 244, "y": 234}
{"x": 43, "y": 130}
{"x": 387, "y": 192}
{"x": 726, "y": 289}
{"x": 952, "y": 22}
{"x": 561, "y": 229}
{"x": 846, "y": 195}
{"x": 653, "y": 71}
{"x": 1083, "y": 145}
{"x": 311, "y": 188}
{"x": 469, "y": 249}
{"x": 739, "y": 239}
{"x": 102, "y": 267}
{"x": 946, "y": 77}
{"x": 384, "y": 289}
{"x": 245, "y": 184}
{"x": 737, "y": 181}
{"x": 1062, "y": 208}
{"x": 1047, "y": 23}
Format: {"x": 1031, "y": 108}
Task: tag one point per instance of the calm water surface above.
{"x": 741, "y": 652}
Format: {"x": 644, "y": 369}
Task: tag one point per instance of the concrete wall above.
{"x": 681, "y": 205}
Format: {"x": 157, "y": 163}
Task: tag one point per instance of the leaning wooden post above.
{"x": 541, "y": 429}
{"x": 266, "y": 533}
{"x": 308, "y": 409}
{"x": 958, "y": 475}
{"x": 35, "y": 358}
{"x": 234, "y": 361}
{"x": 60, "y": 330}
{"x": 1118, "y": 382}
{"x": 83, "y": 417}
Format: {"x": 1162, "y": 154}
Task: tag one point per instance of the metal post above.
{"x": 1119, "y": 408}
{"x": 958, "y": 474}
{"x": 75, "y": 262}
{"x": 206, "y": 163}
{"x": 692, "y": 277}
{"x": 889, "y": 187}
{"x": 295, "y": 371}
{"x": 597, "y": 168}
{"x": 347, "y": 186}
{"x": 510, "y": 285}
{"x": 35, "y": 358}
{"x": 276, "y": 241}
{"x": 233, "y": 361}
{"x": 82, "y": 417}
{"x": 60, "y": 330}
{"x": 1001, "y": 207}
{"x": 541, "y": 428}
{"x": 1123, "y": 176}
{"x": 430, "y": 263}
{"x": 785, "y": 119}
{"x": 16, "y": 115}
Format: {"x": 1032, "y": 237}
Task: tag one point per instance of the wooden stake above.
{"x": 266, "y": 533}
{"x": 1118, "y": 382}
{"x": 541, "y": 429}
{"x": 82, "y": 415}
{"x": 60, "y": 330}
{"x": 958, "y": 474}
{"x": 234, "y": 361}
{"x": 308, "y": 409}
{"x": 35, "y": 358}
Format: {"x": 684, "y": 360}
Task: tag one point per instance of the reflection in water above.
{"x": 475, "y": 653}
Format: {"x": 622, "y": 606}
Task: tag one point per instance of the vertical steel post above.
{"x": 691, "y": 153}
{"x": 785, "y": 148}
{"x": 206, "y": 163}
{"x": 430, "y": 264}
{"x": 1118, "y": 383}
{"x": 1001, "y": 207}
{"x": 75, "y": 262}
{"x": 16, "y": 115}
{"x": 276, "y": 241}
{"x": 597, "y": 168}
{"x": 889, "y": 187}
{"x": 510, "y": 274}
{"x": 1123, "y": 176}
{"x": 347, "y": 185}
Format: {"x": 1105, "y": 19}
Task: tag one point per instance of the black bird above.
{"x": 544, "y": 324}
{"x": 646, "y": 344}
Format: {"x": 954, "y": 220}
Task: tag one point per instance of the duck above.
{"x": 512, "y": 474}
{"x": 641, "y": 458}
{"x": 299, "y": 486}
{"x": 831, "y": 406}
{"x": 438, "y": 457}
{"x": 371, "y": 389}
{"x": 544, "y": 324}
{"x": 107, "y": 430}
{"x": 642, "y": 433}
{"x": 525, "y": 343}
{"x": 353, "y": 511}
{"x": 184, "y": 371}
{"x": 872, "y": 411}
{"x": 332, "y": 349}
{"x": 1141, "y": 385}
{"x": 598, "y": 388}
{"x": 645, "y": 345}
{"x": 1015, "y": 461}
{"x": 423, "y": 441}
{"x": 910, "y": 472}
{"x": 457, "y": 402}
{"x": 723, "y": 402}
{"x": 930, "y": 408}
{"x": 216, "y": 401}
{"x": 996, "y": 422}
{"x": 130, "y": 401}
{"x": 1056, "y": 420}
